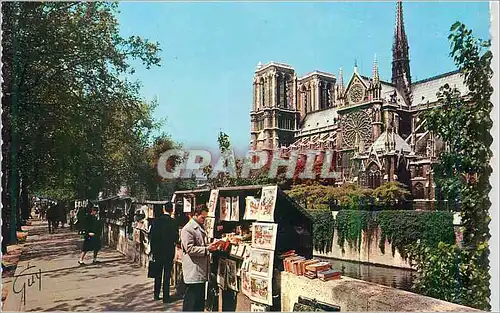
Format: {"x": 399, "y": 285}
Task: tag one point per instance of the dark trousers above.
{"x": 165, "y": 271}
{"x": 52, "y": 226}
{"x": 194, "y": 298}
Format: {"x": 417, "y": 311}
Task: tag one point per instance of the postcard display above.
{"x": 254, "y": 226}
{"x": 248, "y": 267}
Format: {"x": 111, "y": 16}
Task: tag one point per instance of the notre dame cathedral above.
{"x": 371, "y": 125}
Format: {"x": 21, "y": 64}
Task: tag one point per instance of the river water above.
{"x": 387, "y": 276}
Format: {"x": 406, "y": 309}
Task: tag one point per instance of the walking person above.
{"x": 164, "y": 235}
{"x": 72, "y": 217}
{"x": 51, "y": 218}
{"x": 92, "y": 239}
{"x": 195, "y": 260}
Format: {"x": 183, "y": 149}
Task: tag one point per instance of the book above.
{"x": 318, "y": 267}
{"x": 299, "y": 267}
{"x": 308, "y": 262}
{"x": 328, "y": 273}
{"x": 310, "y": 275}
{"x": 330, "y": 278}
{"x": 288, "y": 254}
{"x": 286, "y": 262}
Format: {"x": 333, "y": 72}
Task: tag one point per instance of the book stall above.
{"x": 256, "y": 228}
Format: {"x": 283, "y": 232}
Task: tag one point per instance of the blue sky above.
{"x": 210, "y": 51}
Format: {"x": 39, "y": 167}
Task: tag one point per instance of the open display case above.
{"x": 256, "y": 225}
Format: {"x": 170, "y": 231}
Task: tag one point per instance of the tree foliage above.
{"x": 349, "y": 196}
{"x": 462, "y": 176}
{"x": 74, "y": 125}
{"x": 392, "y": 192}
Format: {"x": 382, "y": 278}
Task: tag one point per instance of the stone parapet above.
{"x": 357, "y": 295}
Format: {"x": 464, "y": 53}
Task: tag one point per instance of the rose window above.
{"x": 356, "y": 125}
{"x": 357, "y": 93}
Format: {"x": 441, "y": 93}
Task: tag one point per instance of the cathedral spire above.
{"x": 375, "y": 74}
{"x": 341, "y": 80}
{"x": 400, "y": 56}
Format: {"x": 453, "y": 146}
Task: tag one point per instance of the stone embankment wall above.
{"x": 356, "y": 295}
{"x": 370, "y": 251}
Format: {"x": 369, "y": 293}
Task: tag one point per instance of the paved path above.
{"x": 115, "y": 284}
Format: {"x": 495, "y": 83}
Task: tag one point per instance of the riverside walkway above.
{"x": 48, "y": 278}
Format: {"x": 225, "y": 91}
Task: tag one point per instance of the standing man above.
{"x": 195, "y": 260}
{"x": 92, "y": 241}
{"x": 164, "y": 235}
{"x": 51, "y": 218}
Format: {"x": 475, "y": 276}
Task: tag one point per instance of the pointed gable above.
{"x": 357, "y": 89}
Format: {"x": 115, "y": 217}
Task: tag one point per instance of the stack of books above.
{"x": 315, "y": 268}
{"x": 307, "y": 263}
{"x": 329, "y": 275}
{"x": 310, "y": 274}
{"x": 311, "y": 269}
{"x": 319, "y": 267}
{"x": 288, "y": 262}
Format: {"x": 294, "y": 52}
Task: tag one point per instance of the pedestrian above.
{"x": 51, "y": 218}
{"x": 62, "y": 211}
{"x": 72, "y": 217}
{"x": 195, "y": 260}
{"x": 92, "y": 237}
{"x": 164, "y": 235}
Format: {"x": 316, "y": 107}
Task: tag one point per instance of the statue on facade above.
{"x": 393, "y": 97}
{"x": 329, "y": 98}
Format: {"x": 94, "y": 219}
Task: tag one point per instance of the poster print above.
{"x": 231, "y": 273}
{"x": 225, "y": 209}
{"x": 221, "y": 274}
{"x": 209, "y": 226}
{"x": 245, "y": 283}
{"x": 264, "y": 235}
{"x": 251, "y": 208}
{"x": 261, "y": 289}
{"x": 267, "y": 203}
{"x": 212, "y": 202}
{"x": 187, "y": 205}
{"x": 254, "y": 307}
{"x": 235, "y": 209}
{"x": 261, "y": 262}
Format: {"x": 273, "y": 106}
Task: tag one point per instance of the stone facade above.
{"x": 373, "y": 127}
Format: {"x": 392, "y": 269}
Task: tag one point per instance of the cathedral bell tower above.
{"x": 274, "y": 112}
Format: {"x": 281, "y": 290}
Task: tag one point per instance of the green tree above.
{"x": 348, "y": 196}
{"x": 391, "y": 192}
{"x": 463, "y": 122}
{"x": 73, "y": 125}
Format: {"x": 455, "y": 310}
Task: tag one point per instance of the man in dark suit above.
{"x": 164, "y": 235}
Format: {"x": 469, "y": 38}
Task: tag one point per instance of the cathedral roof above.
{"x": 318, "y": 120}
{"x": 425, "y": 91}
{"x": 387, "y": 90}
{"x": 380, "y": 144}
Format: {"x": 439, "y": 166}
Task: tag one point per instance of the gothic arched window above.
{"x": 374, "y": 176}
{"x": 262, "y": 93}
